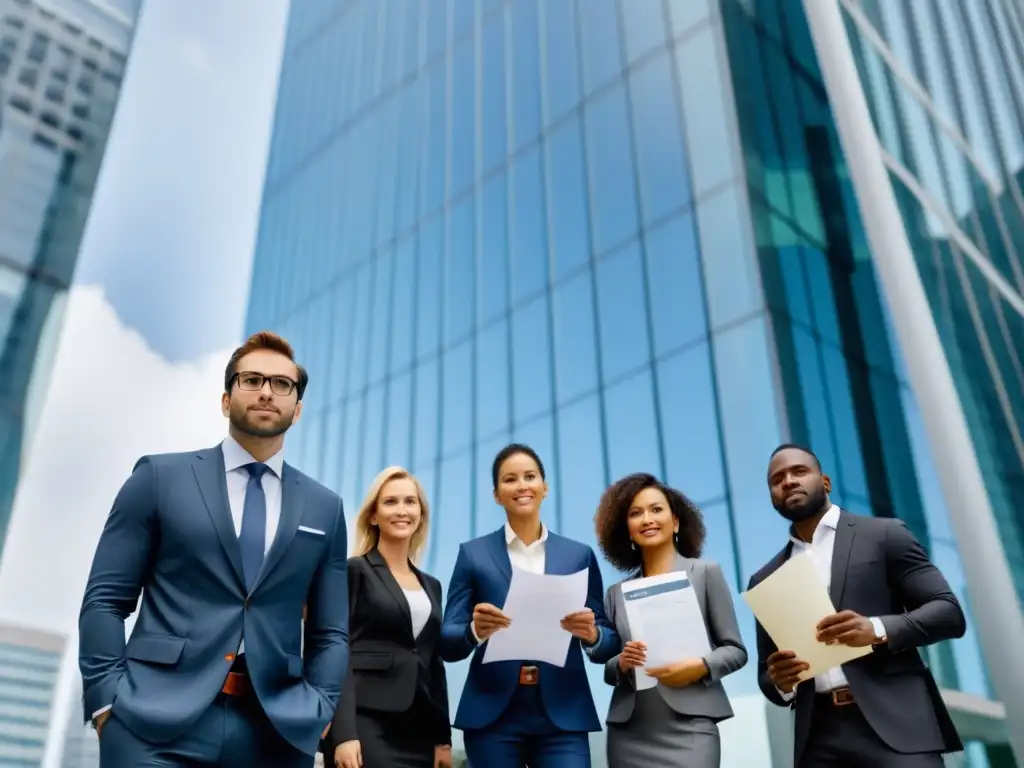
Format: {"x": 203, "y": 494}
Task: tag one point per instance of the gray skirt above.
{"x": 657, "y": 736}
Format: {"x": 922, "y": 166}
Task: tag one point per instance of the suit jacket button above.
{"x": 246, "y": 604}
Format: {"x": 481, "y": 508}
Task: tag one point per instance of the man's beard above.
{"x": 242, "y": 424}
{"x": 806, "y": 508}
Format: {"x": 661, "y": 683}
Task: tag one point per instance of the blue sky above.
{"x": 172, "y": 228}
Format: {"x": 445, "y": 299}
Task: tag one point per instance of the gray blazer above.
{"x": 704, "y": 699}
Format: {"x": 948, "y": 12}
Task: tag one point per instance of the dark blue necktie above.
{"x": 253, "y": 537}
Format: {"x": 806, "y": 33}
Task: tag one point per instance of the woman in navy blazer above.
{"x": 519, "y": 713}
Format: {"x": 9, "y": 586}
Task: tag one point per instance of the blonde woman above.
{"x": 393, "y": 711}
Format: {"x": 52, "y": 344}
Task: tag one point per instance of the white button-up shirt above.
{"x": 526, "y": 557}
{"x": 821, "y": 546}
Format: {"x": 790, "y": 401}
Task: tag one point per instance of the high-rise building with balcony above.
{"x": 624, "y": 232}
{"x": 29, "y": 670}
{"x": 61, "y": 67}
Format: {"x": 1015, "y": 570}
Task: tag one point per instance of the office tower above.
{"x": 629, "y": 240}
{"x": 29, "y": 667}
{"x": 81, "y": 746}
{"x": 61, "y": 67}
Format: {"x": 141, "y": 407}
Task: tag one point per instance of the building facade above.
{"x": 629, "y": 240}
{"x": 29, "y": 670}
{"x": 61, "y": 66}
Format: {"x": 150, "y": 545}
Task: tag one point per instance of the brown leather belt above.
{"x": 237, "y": 684}
{"x": 838, "y": 697}
{"x": 529, "y": 675}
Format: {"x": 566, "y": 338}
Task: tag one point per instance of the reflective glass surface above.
{"x": 614, "y": 231}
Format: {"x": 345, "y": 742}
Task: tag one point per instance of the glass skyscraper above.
{"x": 61, "y": 66}
{"x": 29, "y": 668}
{"x": 622, "y": 231}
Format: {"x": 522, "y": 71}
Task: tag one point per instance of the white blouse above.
{"x": 419, "y": 609}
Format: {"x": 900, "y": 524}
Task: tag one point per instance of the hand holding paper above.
{"x": 790, "y": 604}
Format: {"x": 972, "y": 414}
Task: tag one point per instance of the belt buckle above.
{"x": 841, "y": 697}
{"x": 529, "y": 675}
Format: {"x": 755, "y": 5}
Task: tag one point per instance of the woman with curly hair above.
{"x": 646, "y": 528}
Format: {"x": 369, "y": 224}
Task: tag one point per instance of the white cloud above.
{"x": 111, "y": 400}
{"x": 197, "y": 56}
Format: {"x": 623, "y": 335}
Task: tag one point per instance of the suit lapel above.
{"x": 383, "y": 573}
{"x": 841, "y": 548}
{"x": 552, "y": 554}
{"x": 435, "y": 599}
{"x": 499, "y": 551}
{"x": 208, "y": 468}
{"x": 293, "y": 501}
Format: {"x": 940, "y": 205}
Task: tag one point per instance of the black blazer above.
{"x": 880, "y": 569}
{"x": 387, "y": 665}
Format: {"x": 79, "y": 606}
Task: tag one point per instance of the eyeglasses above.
{"x": 253, "y": 382}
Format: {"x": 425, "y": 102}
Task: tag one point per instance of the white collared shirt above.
{"x": 526, "y": 557}
{"x": 821, "y": 546}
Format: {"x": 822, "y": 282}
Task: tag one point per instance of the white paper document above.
{"x": 789, "y": 604}
{"x": 536, "y": 604}
{"x": 663, "y": 612}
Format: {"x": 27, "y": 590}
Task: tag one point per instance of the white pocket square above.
{"x": 311, "y": 530}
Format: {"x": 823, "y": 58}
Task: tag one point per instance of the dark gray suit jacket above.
{"x": 880, "y": 569}
{"x": 704, "y": 699}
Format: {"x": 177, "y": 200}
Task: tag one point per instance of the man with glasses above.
{"x": 229, "y": 546}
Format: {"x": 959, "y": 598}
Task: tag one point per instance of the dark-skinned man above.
{"x": 884, "y": 709}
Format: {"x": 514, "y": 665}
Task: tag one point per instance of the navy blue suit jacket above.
{"x": 483, "y": 573}
{"x": 170, "y": 536}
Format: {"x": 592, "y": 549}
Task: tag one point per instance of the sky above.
{"x": 172, "y": 229}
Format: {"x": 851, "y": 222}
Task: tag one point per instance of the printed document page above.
{"x": 663, "y": 612}
{"x": 536, "y": 604}
{"x": 789, "y": 604}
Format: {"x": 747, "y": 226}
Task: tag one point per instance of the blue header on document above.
{"x": 656, "y": 589}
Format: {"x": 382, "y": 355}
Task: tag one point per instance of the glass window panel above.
{"x": 581, "y": 470}
{"x": 493, "y": 248}
{"x": 493, "y": 379}
{"x": 599, "y": 36}
{"x": 730, "y": 275}
{"x": 464, "y": 17}
{"x": 332, "y": 449}
{"x": 402, "y": 331}
{"x": 396, "y": 447}
{"x": 435, "y": 154}
{"x": 689, "y": 420}
{"x": 344, "y": 319}
{"x": 644, "y": 26}
{"x": 664, "y": 184}
{"x": 750, "y": 432}
{"x": 488, "y": 514}
{"x": 380, "y": 341}
{"x": 675, "y": 289}
{"x": 709, "y": 132}
{"x": 567, "y": 187}
{"x": 451, "y": 514}
{"x": 428, "y": 278}
{"x": 425, "y": 417}
{"x": 718, "y": 544}
{"x": 359, "y": 330}
{"x": 312, "y": 448}
{"x": 561, "y": 67}
{"x": 575, "y": 338}
{"x": 844, "y": 421}
{"x": 463, "y": 127}
{"x": 437, "y": 28}
{"x": 493, "y": 131}
{"x": 686, "y": 14}
{"x": 531, "y": 375}
{"x": 372, "y": 448}
{"x": 622, "y": 313}
{"x": 525, "y": 72}
{"x": 458, "y": 398}
{"x": 611, "y": 170}
{"x": 459, "y": 297}
{"x": 354, "y": 410}
{"x": 410, "y": 40}
{"x": 632, "y": 427}
{"x": 529, "y": 247}
{"x": 815, "y": 402}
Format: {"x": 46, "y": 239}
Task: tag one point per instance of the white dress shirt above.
{"x": 237, "y": 477}
{"x": 821, "y": 546}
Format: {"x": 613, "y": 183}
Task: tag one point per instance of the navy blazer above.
{"x": 170, "y": 536}
{"x": 483, "y": 573}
